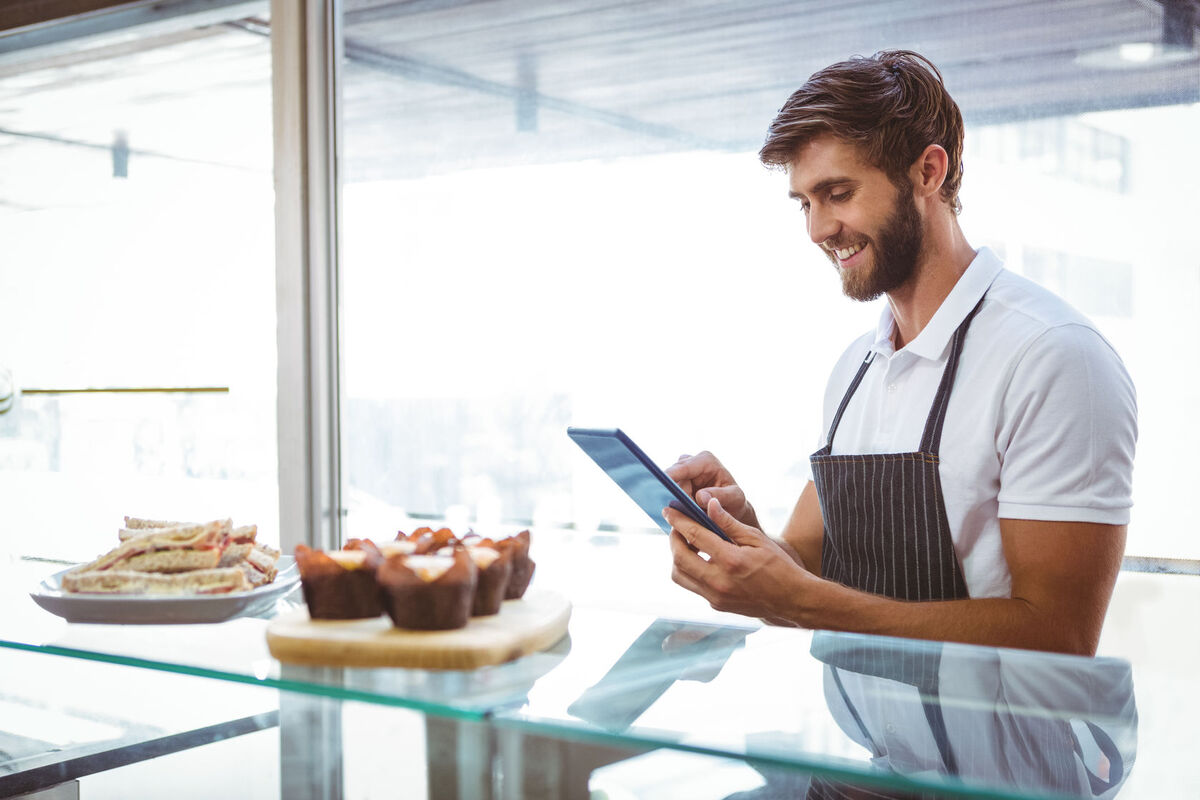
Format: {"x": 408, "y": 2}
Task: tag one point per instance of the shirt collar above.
{"x": 932, "y": 341}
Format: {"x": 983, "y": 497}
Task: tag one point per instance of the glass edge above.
{"x": 510, "y": 717}
{"x": 298, "y": 687}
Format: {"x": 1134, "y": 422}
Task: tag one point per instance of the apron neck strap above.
{"x": 837, "y": 418}
{"x": 931, "y": 440}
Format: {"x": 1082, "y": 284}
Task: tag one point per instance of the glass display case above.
{"x": 627, "y": 704}
{"x": 494, "y": 164}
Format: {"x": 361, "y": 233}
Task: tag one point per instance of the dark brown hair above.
{"x": 891, "y": 105}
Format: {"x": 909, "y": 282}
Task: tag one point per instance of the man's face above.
{"x": 868, "y": 227}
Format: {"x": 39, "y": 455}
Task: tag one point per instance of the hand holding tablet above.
{"x": 638, "y": 476}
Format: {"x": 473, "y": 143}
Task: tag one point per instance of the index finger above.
{"x": 695, "y": 472}
{"x": 682, "y": 472}
{"x": 683, "y": 467}
{"x": 699, "y": 537}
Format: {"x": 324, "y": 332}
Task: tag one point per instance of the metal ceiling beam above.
{"x": 429, "y": 72}
{"x": 119, "y": 23}
{"x": 27, "y": 13}
{"x": 129, "y": 151}
{"x": 31, "y": 61}
{"x": 524, "y": 96}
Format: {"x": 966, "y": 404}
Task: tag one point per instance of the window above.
{"x": 137, "y": 289}
{"x": 557, "y": 217}
{"x": 1098, "y": 287}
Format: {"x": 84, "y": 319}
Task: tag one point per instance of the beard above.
{"x": 894, "y": 252}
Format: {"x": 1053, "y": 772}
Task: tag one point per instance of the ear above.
{"x": 928, "y": 172}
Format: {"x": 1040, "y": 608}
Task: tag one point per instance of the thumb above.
{"x": 739, "y": 533}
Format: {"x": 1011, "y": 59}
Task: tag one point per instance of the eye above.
{"x": 841, "y": 197}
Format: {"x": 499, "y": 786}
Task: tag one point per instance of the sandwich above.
{"x": 238, "y": 545}
{"x": 160, "y": 557}
{"x": 134, "y": 527}
{"x": 258, "y": 564}
{"x": 178, "y": 549}
{"x": 122, "y": 581}
{"x": 137, "y": 523}
{"x": 256, "y": 560}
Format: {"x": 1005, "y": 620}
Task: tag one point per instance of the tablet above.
{"x": 642, "y": 480}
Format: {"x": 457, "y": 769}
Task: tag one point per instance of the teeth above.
{"x": 846, "y": 252}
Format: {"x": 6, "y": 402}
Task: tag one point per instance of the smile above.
{"x": 846, "y": 257}
{"x": 844, "y": 253}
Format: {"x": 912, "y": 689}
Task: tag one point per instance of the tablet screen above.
{"x": 638, "y": 476}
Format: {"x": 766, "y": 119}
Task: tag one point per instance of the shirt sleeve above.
{"x": 1067, "y": 431}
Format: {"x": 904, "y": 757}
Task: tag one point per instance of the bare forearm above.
{"x": 995, "y": 622}
{"x": 805, "y": 531}
{"x": 1062, "y": 576}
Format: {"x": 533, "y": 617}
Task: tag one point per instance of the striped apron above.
{"x": 887, "y": 532}
{"x": 886, "y": 529}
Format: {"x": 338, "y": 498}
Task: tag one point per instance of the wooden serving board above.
{"x": 523, "y": 626}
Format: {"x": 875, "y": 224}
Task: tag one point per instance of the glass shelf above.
{"x": 858, "y": 710}
{"x": 907, "y": 716}
{"x": 62, "y": 719}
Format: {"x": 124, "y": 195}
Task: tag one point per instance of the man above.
{"x": 974, "y": 479}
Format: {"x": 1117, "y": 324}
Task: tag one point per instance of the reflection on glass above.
{"x": 1054, "y": 724}
{"x": 666, "y": 652}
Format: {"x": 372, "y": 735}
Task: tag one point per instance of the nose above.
{"x": 822, "y": 225}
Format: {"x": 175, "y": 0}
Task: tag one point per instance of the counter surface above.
{"x": 912, "y": 716}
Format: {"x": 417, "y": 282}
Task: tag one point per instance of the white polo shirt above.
{"x": 1042, "y": 420}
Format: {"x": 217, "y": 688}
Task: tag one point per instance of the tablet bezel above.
{"x": 682, "y": 503}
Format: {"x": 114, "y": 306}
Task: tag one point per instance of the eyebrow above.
{"x": 821, "y": 186}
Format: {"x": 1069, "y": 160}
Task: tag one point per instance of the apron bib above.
{"x": 887, "y": 533}
{"x": 886, "y": 529}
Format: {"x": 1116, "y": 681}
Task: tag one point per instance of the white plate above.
{"x": 159, "y": 609}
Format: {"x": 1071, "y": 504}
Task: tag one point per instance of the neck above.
{"x": 943, "y": 260}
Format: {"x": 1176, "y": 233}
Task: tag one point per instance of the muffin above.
{"x": 340, "y": 584}
{"x": 522, "y": 565}
{"x": 495, "y": 571}
{"x": 402, "y": 547}
{"x": 428, "y": 592}
{"x": 428, "y": 540}
{"x": 362, "y": 544}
